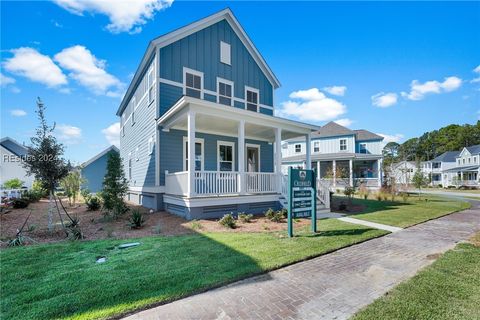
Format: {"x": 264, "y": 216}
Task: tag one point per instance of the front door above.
{"x": 253, "y": 159}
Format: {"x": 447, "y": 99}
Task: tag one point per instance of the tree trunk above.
{"x": 50, "y": 212}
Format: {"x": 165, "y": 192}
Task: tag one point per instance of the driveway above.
{"x": 333, "y": 286}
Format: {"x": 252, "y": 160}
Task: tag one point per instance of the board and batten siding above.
{"x": 200, "y": 51}
{"x": 171, "y": 149}
{"x": 326, "y": 145}
{"x": 137, "y": 135}
{"x": 372, "y": 146}
{"x": 95, "y": 172}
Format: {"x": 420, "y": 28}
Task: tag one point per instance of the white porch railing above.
{"x": 261, "y": 182}
{"x": 176, "y": 183}
{"x": 323, "y": 193}
{"x": 8, "y": 194}
{"x": 216, "y": 182}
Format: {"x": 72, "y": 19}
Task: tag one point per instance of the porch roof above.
{"x": 219, "y": 119}
{"x": 333, "y": 156}
{"x": 463, "y": 169}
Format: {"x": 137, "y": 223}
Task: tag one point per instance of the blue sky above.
{"x": 397, "y": 69}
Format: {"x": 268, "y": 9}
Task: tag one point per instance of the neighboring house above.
{"x": 466, "y": 171}
{"x": 355, "y": 155}
{"x": 204, "y": 93}
{"x": 434, "y": 168}
{"x": 403, "y": 172}
{"x": 13, "y": 153}
{"x": 93, "y": 170}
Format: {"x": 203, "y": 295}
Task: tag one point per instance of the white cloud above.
{"x": 419, "y": 90}
{"x": 18, "y": 112}
{"x": 477, "y": 69}
{"x": 5, "y": 81}
{"x": 391, "y": 138}
{"x": 125, "y": 16}
{"x": 112, "y": 134}
{"x": 68, "y": 134}
{"x": 344, "y": 122}
{"x": 384, "y": 100}
{"x": 35, "y": 66}
{"x": 336, "y": 90}
{"x": 311, "y": 105}
{"x": 89, "y": 71}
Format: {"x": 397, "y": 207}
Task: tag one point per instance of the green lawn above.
{"x": 448, "y": 289}
{"x": 453, "y": 190}
{"x": 63, "y": 281}
{"x": 412, "y": 212}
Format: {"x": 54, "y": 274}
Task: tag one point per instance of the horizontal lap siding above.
{"x": 171, "y": 150}
{"x": 143, "y": 170}
{"x": 201, "y": 51}
{"x": 95, "y": 172}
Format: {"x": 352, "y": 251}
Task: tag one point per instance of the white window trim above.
{"x": 295, "y": 148}
{"x": 340, "y": 144}
{"x": 229, "y": 62}
{"x": 137, "y": 151}
{"x": 151, "y": 145}
{"x": 232, "y": 98}
{"x": 130, "y": 166}
{"x": 196, "y": 73}
{"x": 316, "y": 144}
{"x": 247, "y": 88}
{"x": 364, "y": 147}
{"x": 225, "y": 143}
{"x": 184, "y": 157}
{"x": 252, "y": 145}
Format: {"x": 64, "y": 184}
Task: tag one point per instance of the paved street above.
{"x": 332, "y": 286}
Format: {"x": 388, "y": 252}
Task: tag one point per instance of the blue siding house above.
{"x": 198, "y": 133}
{"x": 93, "y": 170}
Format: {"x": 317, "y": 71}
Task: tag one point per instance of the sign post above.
{"x": 301, "y": 197}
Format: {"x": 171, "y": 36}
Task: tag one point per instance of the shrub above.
{"x": 32, "y": 196}
{"x": 392, "y": 197}
{"x": 349, "y": 191}
{"x": 136, "y": 219}
{"x": 378, "y": 196}
{"x": 93, "y": 203}
{"x": 20, "y": 203}
{"x": 228, "y": 221}
{"x": 363, "y": 191}
{"x": 85, "y": 194}
{"x": 269, "y": 214}
{"x": 14, "y": 183}
{"x": 245, "y": 217}
{"x": 39, "y": 189}
{"x": 196, "y": 225}
{"x": 278, "y": 216}
{"x": 73, "y": 229}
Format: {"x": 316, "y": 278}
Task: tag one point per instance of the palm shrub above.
{"x": 136, "y": 219}
{"x": 114, "y": 187}
{"x": 245, "y": 217}
{"x": 269, "y": 214}
{"x": 14, "y": 183}
{"x": 228, "y": 221}
{"x": 93, "y": 203}
{"x": 73, "y": 229}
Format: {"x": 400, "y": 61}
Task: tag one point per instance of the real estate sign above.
{"x": 301, "y": 197}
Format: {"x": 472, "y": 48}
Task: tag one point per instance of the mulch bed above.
{"x": 95, "y": 226}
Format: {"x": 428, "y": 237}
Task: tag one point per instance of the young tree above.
{"x": 71, "y": 184}
{"x": 44, "y": 158}
{"x": 115, "y": 187}
{"x": 14, "y": 183}
{"x": 419, "y": 180}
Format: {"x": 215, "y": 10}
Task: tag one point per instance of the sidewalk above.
{"x": 333, "y": 286}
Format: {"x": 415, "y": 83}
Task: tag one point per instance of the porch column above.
{"x": 334, "y": 167}
{"x": 318, "y": 170}
{"x": 191, "y": 153}
{"x": 350, "y": 164}
{"x": 278, "y": 157}
{"x": 241, "y": 157}
{"x": 379, "y": 172}
{"x": 308, "y": 156}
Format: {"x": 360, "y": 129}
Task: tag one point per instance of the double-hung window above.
{"x": 363, "y": 148}
{"x": 343, "y": 144}
{"x": 193, "y": 82}
{"x": 225, "y": 92}
{"x": 251, "y": 96}
{"x": 198, "y": 154}
{"x": 316, "y": 146}
{"x": 298, "y": 148}
{"x": 226, "y": 157}
{"x": 151, "y": 84}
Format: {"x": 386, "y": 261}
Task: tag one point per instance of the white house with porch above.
{"x": 466, "y": 172}
{"x": 198, "y": 135}
{"x": 340, "y": 156}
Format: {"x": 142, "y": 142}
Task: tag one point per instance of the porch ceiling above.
{"x": 223, "y": 120}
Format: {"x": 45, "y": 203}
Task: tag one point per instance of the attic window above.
{"x": 225, "y": 53}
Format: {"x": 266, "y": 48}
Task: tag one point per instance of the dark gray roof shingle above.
{"x": 448, "y": 156}
{"x": 365, "y": 135}
{"x": 474, "y": 149}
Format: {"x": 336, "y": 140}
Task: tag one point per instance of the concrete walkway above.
{"x": 333, "y": 286}
{"x": 371, "y": 224}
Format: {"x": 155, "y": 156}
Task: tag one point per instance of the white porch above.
{"x": 243, "y": 176}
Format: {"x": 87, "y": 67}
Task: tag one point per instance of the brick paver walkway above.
{"x": 333, "y": 286}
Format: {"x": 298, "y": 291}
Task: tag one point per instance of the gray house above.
{"x": 198, "y": 133}
{"x": 94, "y": 170}
{"x": 355, "y": 155}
